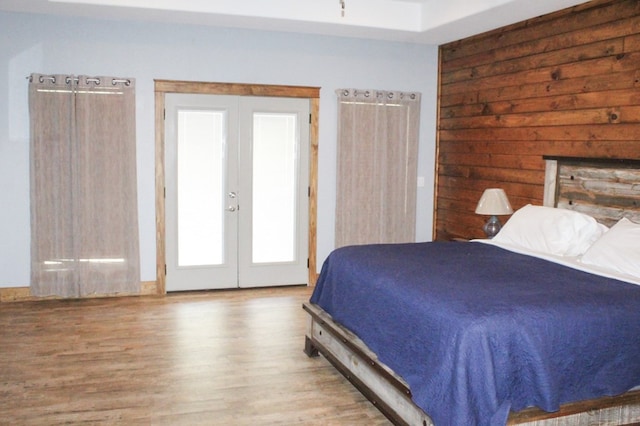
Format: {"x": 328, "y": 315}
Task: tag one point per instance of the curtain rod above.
{"x": 376, "y": 93}
{"x": 68, "y": 80}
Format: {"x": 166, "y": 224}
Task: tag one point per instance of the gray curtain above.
{"x": 84, "y": 220}
{"x": 376, "y": 166}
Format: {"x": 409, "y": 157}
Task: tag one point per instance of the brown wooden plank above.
{"x": 527, "y": 90}
{"x": 461, "y": 98}
{"x": 590, "y": 83}
{"x": 568, "y": 148}
{"x": 531, "y": 190}
{"x": 493, "y": 160}
{"x": 627, "y": 80}
{"x": 589, "y": 100}
{"x": 467, "y": 199}
{"x": 161, "y": 278}
{"x": 614, "y": 115}
{"x": 239, "y": 89}
{"x": 619, "y": 132}
{"x": 602, "y": 65}
{"x": 468, "y": 226}
{"x": 567, "y": 20}
{"x": 523, "y": 59}
{"x": 313, "y": 189}
{"x": 493, "y": 173}
{"x": 632, "y": 43}
{"x": 459, "y": 199}
{"x": 577, "y": 44}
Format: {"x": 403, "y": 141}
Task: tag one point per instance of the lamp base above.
{"x": 492, "y": 227}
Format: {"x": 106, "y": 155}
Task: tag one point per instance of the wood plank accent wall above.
{"x": 563, "y": 84}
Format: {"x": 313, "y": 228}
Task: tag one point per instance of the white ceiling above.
{"x": 419, "y": 21}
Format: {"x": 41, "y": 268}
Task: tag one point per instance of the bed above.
{"x": 539, "y": 326}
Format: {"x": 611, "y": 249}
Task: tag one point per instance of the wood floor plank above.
{"x": 223, "y": 357}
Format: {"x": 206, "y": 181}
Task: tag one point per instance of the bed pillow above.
{"x": 618, "y": 249}
{"x": 551, "y": 230}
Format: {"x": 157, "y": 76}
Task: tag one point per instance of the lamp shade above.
{"x": 494, "y": 201}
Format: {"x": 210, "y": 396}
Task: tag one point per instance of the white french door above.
{"x": 236, "y": 183}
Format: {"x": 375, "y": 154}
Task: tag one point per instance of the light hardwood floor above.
{"x": 214, "y": 358}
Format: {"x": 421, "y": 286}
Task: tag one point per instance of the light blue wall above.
{"x": 148, "y": 51}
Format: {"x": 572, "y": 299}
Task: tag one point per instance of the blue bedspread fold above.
{"x": 477, "y": 331}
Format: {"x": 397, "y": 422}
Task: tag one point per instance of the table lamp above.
{"x": 493, "y": 202}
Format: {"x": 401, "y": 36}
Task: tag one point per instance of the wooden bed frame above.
{"x": 574, "y": 183}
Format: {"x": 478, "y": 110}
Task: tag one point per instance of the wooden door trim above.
{"x": 162, "y": 87}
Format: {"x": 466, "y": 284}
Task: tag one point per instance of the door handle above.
{"x": 232, "y": 195}
{"x": 231, "y": 208}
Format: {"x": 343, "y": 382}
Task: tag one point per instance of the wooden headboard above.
{"x": 607, "y": 189}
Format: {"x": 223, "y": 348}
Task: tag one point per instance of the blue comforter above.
{"x": 477, "y": 331}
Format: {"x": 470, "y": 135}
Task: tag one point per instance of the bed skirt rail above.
{"x": 379, "y": 384}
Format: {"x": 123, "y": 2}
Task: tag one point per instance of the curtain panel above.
{"x": 84, "y": 219}
{"x": 376, "y": 166}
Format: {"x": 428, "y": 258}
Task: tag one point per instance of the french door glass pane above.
{"x": 201, "y": 171}
{"x": 274, "y": 187}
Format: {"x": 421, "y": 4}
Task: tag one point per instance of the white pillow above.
{"x": 551, "y": 230}
{"x": 618, "y": 249}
